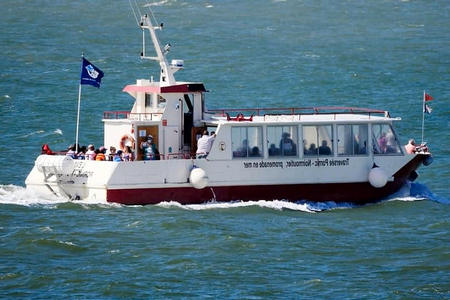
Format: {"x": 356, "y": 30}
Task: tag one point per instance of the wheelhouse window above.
{"x": 282, "y": 140}
{"x": 352, "y": 139}
{"x": 246, "y": 141}
{"x": 384, "y": 140}
{"x": 149, "y": 100}
{"x": 318, "y": 140}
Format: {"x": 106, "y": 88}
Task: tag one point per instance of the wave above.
{"x": 159, "y": 3}
{"x": 18, "y": 195}
{"x": 43, "y": 133}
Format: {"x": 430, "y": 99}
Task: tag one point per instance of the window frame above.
{"x": 352, "y": 135}
{"x": 260, "y": 142}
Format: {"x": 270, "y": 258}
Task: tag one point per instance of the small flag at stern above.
{"x": 427, "y": 97}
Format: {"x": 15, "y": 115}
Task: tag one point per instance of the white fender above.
{"x": 55, "y": 163}
{"x": 377, "y": 177}
{"x": 198, "y": 178}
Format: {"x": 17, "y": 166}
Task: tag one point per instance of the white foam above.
{"x": 58, "y": 131}
{"x": 273, "y": 204}
{"x": 156, "y": 3}
{"x": 12, "y": 194}
{"x": 33, "y": 133}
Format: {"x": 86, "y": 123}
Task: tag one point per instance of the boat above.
{"x": 340, "y": 154}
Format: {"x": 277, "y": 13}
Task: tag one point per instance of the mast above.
{"x": 167, "y": 70}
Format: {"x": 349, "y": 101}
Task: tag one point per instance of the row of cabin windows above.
{"x": 352, "y": 140}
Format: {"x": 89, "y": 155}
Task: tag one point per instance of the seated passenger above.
{"x": 118, "y": 156}
{"x": 81, "y": 152}
{"x": 112, "y": 152}
{"x": 382, "y": 143}
{"x": 410, "y": 147}
{"x": 90, "y": 153}
{"x": 363, "y": 150}
{"x": 254, "y": 152}
{"x": 391, "y": 143}
{"x": 71, "y": 151}
{"x": 324, "y": 149}
{"x": 101, "y": 154}
{"x": 128, "y": 154}
{"x": 46, "y": 150}
{"x": 244, "y": 150}
{"x": 312, "y": 149}
{"x": 287, "y": 146}
{"x": 273, "y": 151}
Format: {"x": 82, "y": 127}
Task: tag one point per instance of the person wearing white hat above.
{"x": 90, "y": 154}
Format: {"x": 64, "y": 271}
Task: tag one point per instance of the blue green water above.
{"x": 378, "y": 54}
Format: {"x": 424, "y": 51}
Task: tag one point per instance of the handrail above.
{"x": 301, "y": 110}
{"x": 129, "y": 115}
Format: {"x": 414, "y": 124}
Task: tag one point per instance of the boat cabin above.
{"x": 171, "y": 114}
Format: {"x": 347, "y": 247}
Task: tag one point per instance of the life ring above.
{"x": 123, "y": 141}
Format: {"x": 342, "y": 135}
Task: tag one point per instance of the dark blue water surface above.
{"x": 378, "y": 54}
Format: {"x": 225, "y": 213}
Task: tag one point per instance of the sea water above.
{"x": 377, "y": 54}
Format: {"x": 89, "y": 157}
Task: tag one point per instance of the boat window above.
{"x": 148, "y": 100}
{"x": 384, "y": 140}
{"x": 282, "y": 140}
{"x": 352, "y": 139}
{"x": 246, "y": 141}
{"x": 318, "y": 140}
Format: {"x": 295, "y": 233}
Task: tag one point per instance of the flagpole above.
{"x": 78, "y": 118}
{"x": 78, "y": 110}
{"x": 423, "y": 114}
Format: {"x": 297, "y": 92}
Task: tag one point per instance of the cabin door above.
{"x": 143, "y": 132}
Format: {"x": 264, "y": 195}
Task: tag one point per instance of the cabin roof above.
{"x": 155, "y": 87}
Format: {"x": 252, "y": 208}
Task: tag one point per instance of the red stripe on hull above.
{"x": 358, "y": 192}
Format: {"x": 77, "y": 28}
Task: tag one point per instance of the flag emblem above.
{"x": 91, "y": 71}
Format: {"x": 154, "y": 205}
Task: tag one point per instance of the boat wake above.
{"x": 18, "y": 195}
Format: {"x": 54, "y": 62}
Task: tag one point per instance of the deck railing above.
{"x": 110, "y": 115}
{"x": 299, "y": 111}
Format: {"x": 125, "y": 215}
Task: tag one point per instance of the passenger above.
{"x": 149, "y": 149}
{"x": 382, "y": 143}
{"x": 128, "y": 154}
{"x": 101, "y": 154}
{"x": 324, "y": 149}
{"x": 287, "y": 146}
{"x": 112, "y": 152}
{"x": 46, "y": 150}
{"x": 312, "y": 149}
{"x": 71, "y": 151}
{"x": 254, "y": 152}
{"x": 363, "y": 149}
{"x": 204, "y": 144}
{"x": 90, "y": 153}
{"x": 81, "y": 152}
{"x": 244, "y": 150}
{"x": 118, "y": 156}
{"x": 391, "y": 143}
{"x": 411, "y": 146}
{"x": 273, "y": 151}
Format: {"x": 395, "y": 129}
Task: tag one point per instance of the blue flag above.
{"x": 90, "y": 74}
